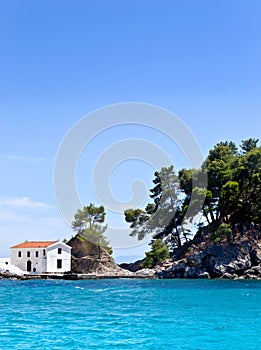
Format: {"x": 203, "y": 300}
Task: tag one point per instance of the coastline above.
{"x": 77, "y": 277}
{"x": 73, "y": 276}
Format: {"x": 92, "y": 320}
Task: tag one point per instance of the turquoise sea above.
{"x": 130, "y": 314}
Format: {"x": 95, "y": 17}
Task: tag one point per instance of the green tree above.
{"x": 218, "y": 166}
{"x": 248, "y": 145}
{"x": 229, "y": 200}
{"x": 218, "y": 169}
{"x": 223, "y": 231}
{"x": 86, "y": 217}
{"x": 233, "y": 194}
{"x": 159, "y": 252}
{"x": 164, "y": 216}
{"x": 168, "y": 216}
{"x": 88, "y": 224}
{"x": 248, "y": 175}
{"x": 137, "y": 218}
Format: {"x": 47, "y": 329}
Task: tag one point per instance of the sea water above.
{"x": 130, "y": 314}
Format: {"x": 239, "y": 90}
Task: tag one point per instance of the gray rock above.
{"x": 240, "y": 278}
{"x": 249, "y": 276}
{"x": 237, "y": 260}
{"x": 256, "y": 270}
{"x": 250, "y": 272}
{"x": 195, "y": 259}
{"x": 146, "y": 272}
{"x": 179, "y": 266}
{"x": 133, "y": 267}
{"x": 227, "y": 275}
{"x": 227, "y": 258}
{"x": 190, "y": 272}
{"x": 88, "y": 258}
{"x": 204, "y": 275}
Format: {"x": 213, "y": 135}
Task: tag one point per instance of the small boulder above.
{"x": 204, "y": 275}
{"x": 228, "y": 276}
{"x": 190, "y": 272}
{"x": 146, "y": 272}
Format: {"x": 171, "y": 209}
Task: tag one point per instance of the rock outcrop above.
{"x": 88, "y": 258}
{"x": 203, "y": 258}
{"x": 8, "y": 275}
{"x": 133, "y": 267}
{"x": 227, "y": 261}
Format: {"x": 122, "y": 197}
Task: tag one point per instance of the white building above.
{"x": 41, "y": 257}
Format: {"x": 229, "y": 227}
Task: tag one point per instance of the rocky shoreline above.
{"x": 74, "y": 276}
{"x": 231, "y": 261}
{"x": 203, "y": 258}
{"x": 199, "y": 258}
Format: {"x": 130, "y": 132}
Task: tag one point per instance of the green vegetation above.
{"x": 234, "y": 183}
{"x": 232, "y": 196}
{"x": 159, "y": 252}
{"x": 223, "y": 231}
{"x": 166, "y": 215}
{"x": 88, "y": 225}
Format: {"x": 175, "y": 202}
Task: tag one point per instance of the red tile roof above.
{"x": 34, "y": 244}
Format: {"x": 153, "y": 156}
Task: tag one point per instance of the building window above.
{"x": 43, "y": 252}
{"x": 28, "y": 254}
{"x": 59, "y": 263}
{"x": 19, "y": 254}
{"x": 36, "y": 254}
{"x": 59, "y": 250}
{"x": 34, "y": 269}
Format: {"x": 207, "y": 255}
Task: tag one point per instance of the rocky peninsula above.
{"x": 236, "y": 258}
{"x": 89, "y": 258}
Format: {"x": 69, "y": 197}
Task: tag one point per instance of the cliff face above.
{"x": 133, "y": 267}
{"x": 200, "y": 258}
{"x": 240, "y": 258}
{"x": 90, "y": 258}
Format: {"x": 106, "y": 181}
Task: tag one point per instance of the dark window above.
{"x": 59, "y": 263}
{"x": 59, "y": 250}
{"x": 29, "y": 266}
{"x": 28, "y": 254}
{"x": 19, "y": 254}
{"x": 36, "y": 254}
{"x": 34, "y": 269}
{"x": 43, "y": 252}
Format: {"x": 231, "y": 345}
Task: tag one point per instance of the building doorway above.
{"x": 29, "y": 266}
{"x": 59, "y": 263}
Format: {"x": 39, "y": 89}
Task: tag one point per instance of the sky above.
{"x": 61, "y": 60}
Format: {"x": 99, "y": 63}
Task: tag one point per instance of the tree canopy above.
{"x": 234, "y": 183}
{"x": 232, "y": 195}
{"x": 159, "y": 252}
{"x": 88, "y": 224}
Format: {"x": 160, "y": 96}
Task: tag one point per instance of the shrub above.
{"x": 159, "y": 252}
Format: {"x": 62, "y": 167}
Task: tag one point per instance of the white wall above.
{"x": 43, "y": 263}
{"x": 38, "y": 263}
{"x": 53, "y": 256}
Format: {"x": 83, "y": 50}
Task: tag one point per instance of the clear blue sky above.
{"x": 62, "y": 59}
